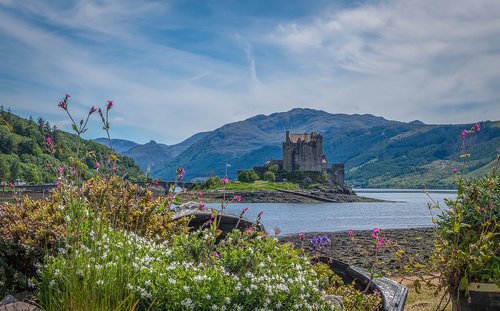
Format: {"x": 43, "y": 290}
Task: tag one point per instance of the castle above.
{"x": 304, "y": 153}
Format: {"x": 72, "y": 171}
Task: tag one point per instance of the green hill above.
{"x": 24, "y": 153}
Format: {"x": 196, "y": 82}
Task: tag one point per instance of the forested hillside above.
{"x": 26, "y": 155}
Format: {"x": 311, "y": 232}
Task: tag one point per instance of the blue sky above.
{"x": 174, "y": 68}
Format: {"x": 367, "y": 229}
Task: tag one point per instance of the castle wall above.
{"x": 337, "y": 173}
{"x": 303, "y": 152}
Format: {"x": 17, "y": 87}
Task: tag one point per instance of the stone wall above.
{"x": 337, "y": 173}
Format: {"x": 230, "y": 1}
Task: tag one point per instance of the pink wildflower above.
{"x": 380, "y": 242}
{"x": 155, "y": 182}
{"x": 201, "y": 204}
{"x": 97, "y": 165}
{"x": 92, "y": 110}
{"x": 237, "y": 198}
{"x": 455, "y": 170}
{"x": 61, "y": 170}
{"x": 200, "y": 193}
{"x": 225, "y": 180}
{"x": 110, "y": 104}
{"x": 301, "y": 236}
{"x": 464, "y": 133}
{"x": 350, "y": 233}
{"x": 48, "y": 140}
{"x": 476, "y": 127}
{"x": 375, "y": 232}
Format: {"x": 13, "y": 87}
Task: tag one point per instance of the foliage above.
{"x": 469, "y": 235}
{"x": 247, "y": 176}
{"x": 352, "y": 299}
{"x": 28, "y": 228}
{"x": 211, "y": 183}
{"x": 468, "y": 232}
{"x": 269, "y": 176}
{"x": 23, "y": 146}
{"x": 244, "y": 272}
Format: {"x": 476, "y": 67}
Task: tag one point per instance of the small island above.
{"x": 303, "y": 176}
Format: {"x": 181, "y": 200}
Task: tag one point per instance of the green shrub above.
{"x": 29, "y": 229}
{"x": 269, "y": 176}
{"x": 247, "y": 176}
{"x": 118, "y": 270}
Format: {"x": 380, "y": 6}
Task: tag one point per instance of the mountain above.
{"x": 26, "y": 154}
{"x": 376, "y": 152}
{"x": 252, "y": 141}
{"x": 120, "y": 145}
{"x": 151, "y": 154}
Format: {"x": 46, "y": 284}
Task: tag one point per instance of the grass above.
{"x": 423, "y": 301}
{"x": 258, "y": 185}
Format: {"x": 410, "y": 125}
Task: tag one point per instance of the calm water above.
{"x": 409, "y": 210}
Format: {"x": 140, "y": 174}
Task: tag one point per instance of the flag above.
{"x": 228, "y": 165}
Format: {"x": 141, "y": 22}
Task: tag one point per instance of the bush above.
{"x": 269, "y": 176}
{"x": 245, "y": 271}
{"x": 29, "y": 229}
{"x": 469, "y": 235}
{"x": 247, "y": 176}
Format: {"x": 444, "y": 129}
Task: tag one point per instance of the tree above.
{"x": 247, "y": 176}
{"x": 274, "y": 168}
{"x": 4, "y": 170}
{"x": 269, "y": 176}
{"x": 14, "y": 168}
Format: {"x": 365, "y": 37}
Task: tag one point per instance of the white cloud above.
{"x": 434, "y": 61}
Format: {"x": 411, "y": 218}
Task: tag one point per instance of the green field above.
{"x": 258, "y": 186}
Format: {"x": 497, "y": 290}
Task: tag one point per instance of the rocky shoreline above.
{"x": 416, "y": 243}
{"x": 288, "y": 196}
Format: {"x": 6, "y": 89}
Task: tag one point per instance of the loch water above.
{"x": 406, "y": 209}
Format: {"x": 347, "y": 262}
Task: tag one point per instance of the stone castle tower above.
{"x": 303, "y": 153}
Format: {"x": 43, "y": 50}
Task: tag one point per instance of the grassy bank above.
{"x": 258, "y": 185}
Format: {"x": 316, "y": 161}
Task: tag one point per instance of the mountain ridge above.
{"x": 377, "y": 152}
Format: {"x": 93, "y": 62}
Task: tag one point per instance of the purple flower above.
{"x": 225, "y": 180}
{"x": 375, "y": 232}
{"x": 476, "y": 127}
{"x": 201, "y": 204}
{"x": 320, "y": 241}
{"x": 200, "y": 193}
{"x": 237, "y": 198}
{"x": 48, "y": 140}
{"x": 301, "y": 236}
{"x": 92, "y": 110}
{"x": 464, "y": 133}
{"x": 110, "y": 104}
{"x": 455, "y": 170}
{"x": 97, "y": 165}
